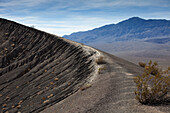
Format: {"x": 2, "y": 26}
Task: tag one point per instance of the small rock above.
{"x": 6, "y": 34}
{"x": 85, "y": 87}
{"x": 50, "y": 95}
{"x": 39, "y": 92}
{"x": 20, "y": 102}
{"x": 43, "y": 98}
{"x": 7, "y": 98}
{"x": 52, "y": 83}
{"x": 56, "y": 79}
{"x": 46, "y": 101}
{"x": 19, "y": 106}
{"x": 4, "y": 105}
{"x": 12, "y": 45}
{"x": 5, "y": 49}
{"x": 4, "y": 108}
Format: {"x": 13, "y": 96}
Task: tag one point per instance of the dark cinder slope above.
{"x": 38, "y": 69}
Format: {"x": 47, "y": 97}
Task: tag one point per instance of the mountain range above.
{"x": 134, "y": 39}
{"x": 132, "y": 29}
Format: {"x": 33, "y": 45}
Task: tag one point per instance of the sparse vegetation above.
{"x": 155, "y": 68}
{"x": 101, "y": 69}
{"x": 152, "y": 89}
{"x": 100, "y": 60}
{"x": 142, "y": 64}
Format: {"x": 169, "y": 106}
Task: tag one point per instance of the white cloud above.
{"x": 77, "y": 5}
{"x": 65, "y": 17}
{"x": 8, "y": 3}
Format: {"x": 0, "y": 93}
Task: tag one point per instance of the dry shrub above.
{"x": 142, "y": 64}
{"x": 152, "y": 89}
{"x": 100, "y": 60}
{"x": 154, "y": 68}
{"x": 101, "y": 69}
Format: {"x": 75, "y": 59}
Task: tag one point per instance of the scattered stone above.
{"x": 52, "y": 83}
{"x": 45, "y": 70}
{"x": 19, "y": 106}
{"x": 4, "y": 108}
{"x": 50, "y": 95}
{"x": 46, "y": 101}
{"x": 2, "y": 52}
{"x": 85, "y": 87}
{"x": 12, "y": 45}
{"x": 56, "y": 79}
{"x": 0, "y": 95}
{"x": 20, "y": 102}
{"x": 5, "y": 49}
{"x": 7, "y": 98}
{"x": 4, "y": 105}
{"x": 43, "y": 98}
{"x": 40, "y": 92}
{"x": 17, "y": 87}
{"x": 6, "y": 34}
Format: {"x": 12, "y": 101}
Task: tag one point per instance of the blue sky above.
{"x": 62, "y": 17}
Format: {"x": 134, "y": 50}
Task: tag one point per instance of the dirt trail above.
{"x": 112, "y": 92}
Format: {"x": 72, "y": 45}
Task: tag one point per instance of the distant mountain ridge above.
{"x": 135, "y": 28}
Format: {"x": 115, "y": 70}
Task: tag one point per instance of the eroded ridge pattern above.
{"x": 38, "y": 69}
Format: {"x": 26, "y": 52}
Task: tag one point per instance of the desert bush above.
{"x": 101, "y": 69}
{"x": 152, "y": 89}
{"x": 154, "y": 68}
{"x": 100, "y": 60}
{"x": 142, "y": 64}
